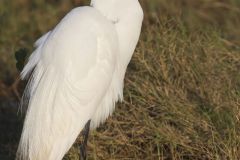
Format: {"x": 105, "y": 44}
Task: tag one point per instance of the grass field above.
{"x": 182, "y": 87}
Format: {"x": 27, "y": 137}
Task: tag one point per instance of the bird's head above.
{"x": 115, "y": 10}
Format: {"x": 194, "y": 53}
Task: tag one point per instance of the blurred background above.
{"x": 182, "y": 88}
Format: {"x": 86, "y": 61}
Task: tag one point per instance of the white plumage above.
{"x": 76, "y": 75}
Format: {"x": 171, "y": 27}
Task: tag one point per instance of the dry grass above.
{"x": 182, "y": 88}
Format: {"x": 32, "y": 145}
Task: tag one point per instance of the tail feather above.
{"x": 51, "y": 126}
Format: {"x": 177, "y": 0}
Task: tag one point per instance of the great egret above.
{"x": 77, "y": 73}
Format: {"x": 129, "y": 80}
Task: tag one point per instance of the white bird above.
{"x": 76, "y": 75}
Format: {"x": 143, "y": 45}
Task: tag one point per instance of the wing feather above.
{"x": 35, "y": 57}
{"x": 73, "y": 74}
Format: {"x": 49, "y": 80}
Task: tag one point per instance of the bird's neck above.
{"x": 127, "y": 16}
